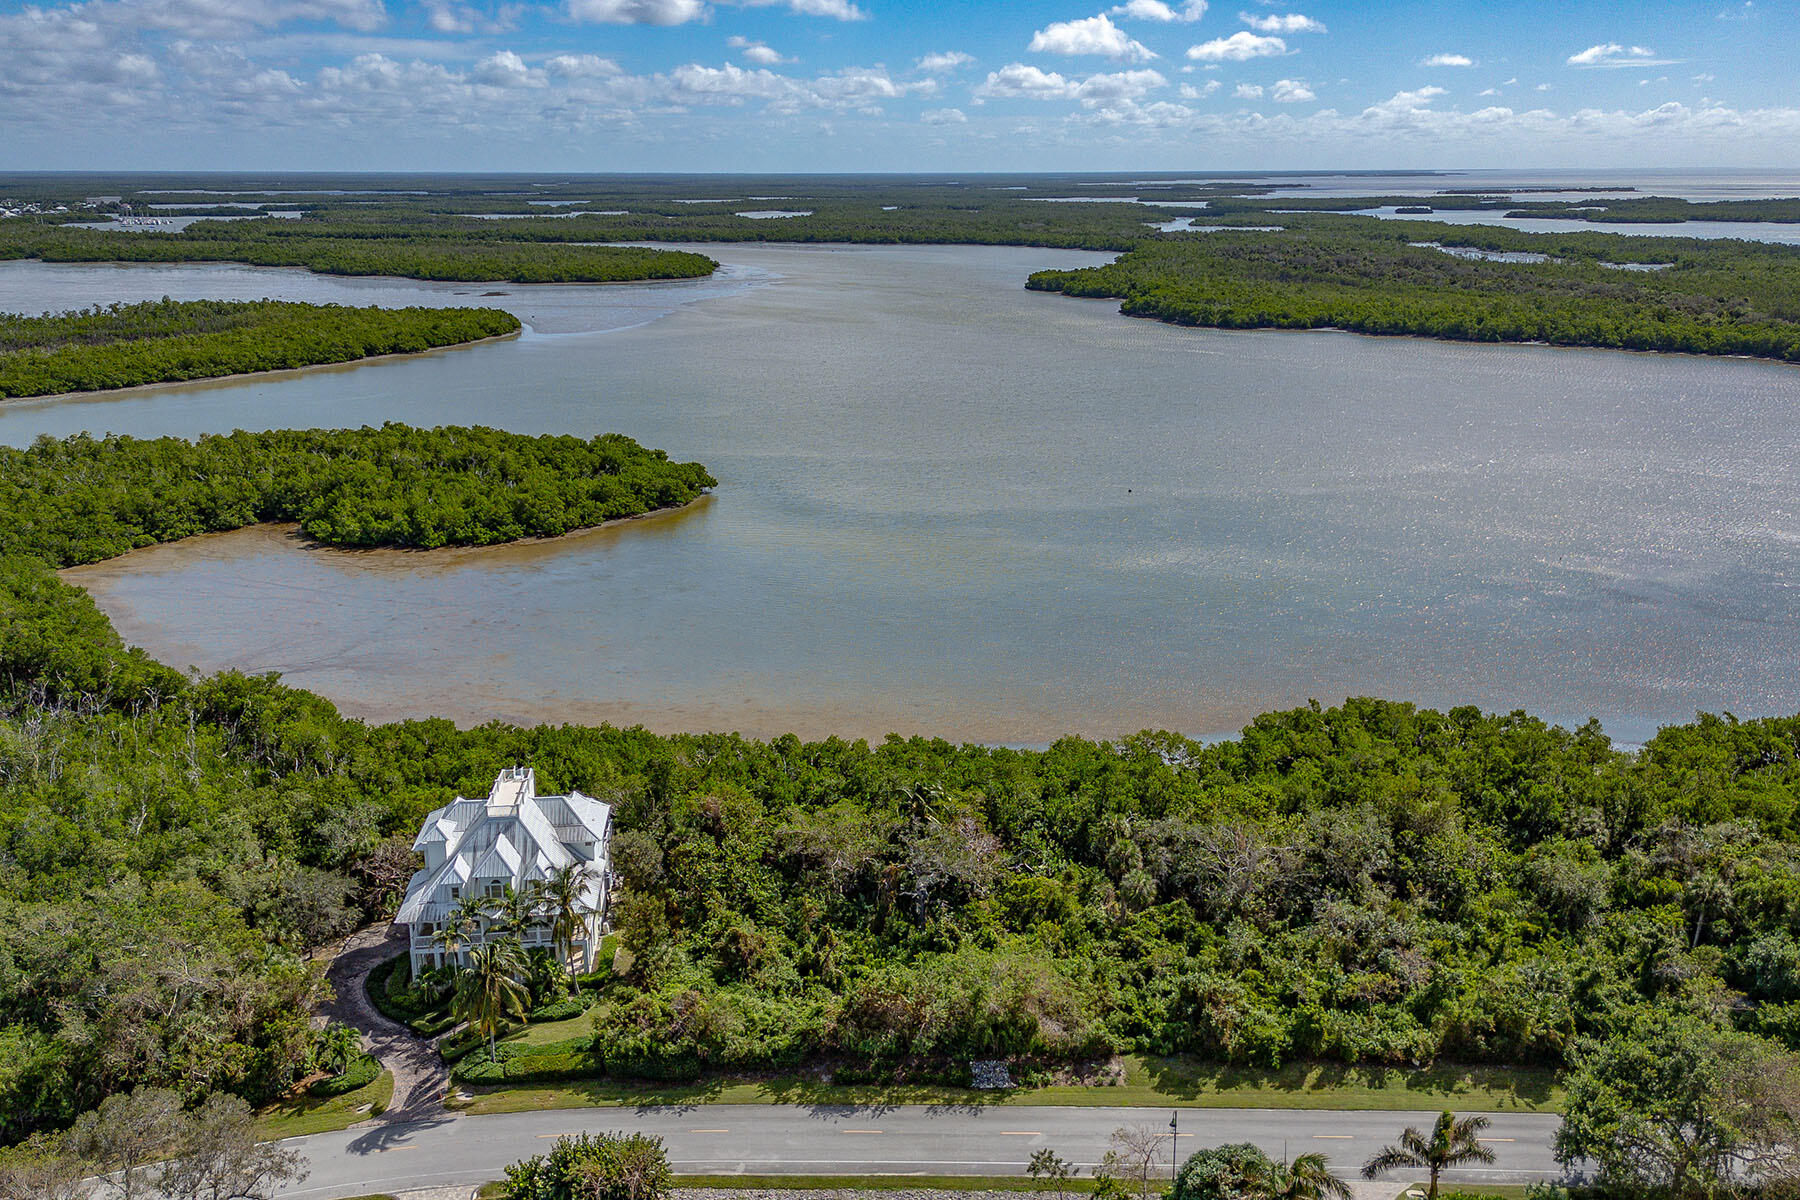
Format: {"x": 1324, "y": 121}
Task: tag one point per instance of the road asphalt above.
{"x": 787, "y": 1139}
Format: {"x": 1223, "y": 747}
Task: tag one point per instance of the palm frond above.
{"x": 1392, "y": 1157}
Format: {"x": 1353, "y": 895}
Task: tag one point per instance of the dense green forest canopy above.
{"x": 1599, "y": 209}
{"x": 414, "y": 251}
{"x": 83, "y": 499}
{"x": 1399, "y": 277}
{"x": 161, "y": 341}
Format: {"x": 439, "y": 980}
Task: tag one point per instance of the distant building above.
{"x": 515, "y": 838}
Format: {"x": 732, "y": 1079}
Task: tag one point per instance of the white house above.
{"x": 515, "y": 838}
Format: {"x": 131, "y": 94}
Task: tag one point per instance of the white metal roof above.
{"x": 515, "y": 836}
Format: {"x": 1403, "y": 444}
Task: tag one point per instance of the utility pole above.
{"x": 1174, "y": 1150}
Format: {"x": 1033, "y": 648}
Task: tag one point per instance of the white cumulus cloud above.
{"x": 636, "y": 12}
{"x": 1447, "y": 60}
{"x": 1612, "y": 54}
{"x": 944, "y": 62}
{"x": 1156, "y": 10}
{"x": 1091, "y": 35}
{"x": 503, "y": 68}
{"x": 581, "y": 66}
{"x": 842, "y": 10}
{"x": 1239, "y": 47}
{"x": 1023, "y": 81}
{"x": 760, "y": 53}
{"x": 944, "y": 116}
{"x": 1190, "y": 92}
{"x": 1292, "y": 91}
{"x": 1282, "y": 23}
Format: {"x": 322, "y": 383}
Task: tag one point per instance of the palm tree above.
{"x": 490, "y": 989}
{"x": 335, "y": 1047}
{"x": 463, "y": 919}
{"x": 1451, "y": 1144}
{"x": 1306, "y": 1178}
{"x": 514, "y": 910}
{"x": 921, "y": 802}
{"x": 562, "y": 895}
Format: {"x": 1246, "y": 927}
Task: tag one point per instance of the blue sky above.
{"x": 882, "y": 85}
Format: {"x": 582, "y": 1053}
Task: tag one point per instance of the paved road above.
{"x": 820, "y": 1140}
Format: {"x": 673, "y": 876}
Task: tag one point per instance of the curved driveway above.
{"x": 831, "y": 1140}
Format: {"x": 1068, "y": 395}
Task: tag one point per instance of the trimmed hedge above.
{"x": 362, "y": 1071}
{"x": 570, "y": 1059}
{"x": 431, "y": 1026}
{"x": 426, "y": 1022}
{"x": 562, "y": 1010}
{"x": 530, "y": 1068}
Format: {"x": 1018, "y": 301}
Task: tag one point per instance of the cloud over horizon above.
{"x": 747, "y": 84}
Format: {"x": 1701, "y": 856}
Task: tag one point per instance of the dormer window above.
{"x": 455, "y": 892}
{"x": 494, "y": 889}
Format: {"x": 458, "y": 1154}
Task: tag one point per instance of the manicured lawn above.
{"x": 303, "y": 1114}
{"x": 1158, "y": 1083}
{"x": 543, "y": 1033}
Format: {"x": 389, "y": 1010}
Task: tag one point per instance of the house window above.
{"x": 494, "y": 889}
{"x": 455, "y": 892}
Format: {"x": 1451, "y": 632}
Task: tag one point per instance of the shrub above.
{"x": 361, "y": 1072}
{"x": 550, "y": 1068}
{"x": 479, "y": 1071}
{"x": 389, "y": 988}
{"x": 561, "y": 1010}
{"x": 606, "y": 1166}
{"x": 1222, "y": 1173}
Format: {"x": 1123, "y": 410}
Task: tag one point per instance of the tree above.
{"x": 514, "y": 910}
{"x": 1672, "y": 1103}
{"x": 335, "y": 1047}
{"x": 634, "y": 1168}
{"x": 127, "y": 1131}
{"x": 1136, "y": 1150}
{"x": 218, "y": 1157}
{"x": 563, "y": 894}
{"x": 41, "y": 1169}
{"x": 1229, "y": 1172}
{"x": 1051, "y": 1171}
{"x": 459, "y": 927}
{"x": 1306, "y": 1178}
{"x": 1451, "y": 1144}
{"x": 384, "y": 871}
{"x": 490, "y": 989}
{"x": 603, "y": 1166}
